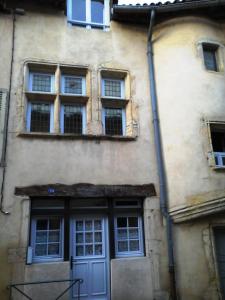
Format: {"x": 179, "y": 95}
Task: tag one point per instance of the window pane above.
{"x": 41, "y": 250}
{"x": 98, "y": 225}
{"x": 88, "y": 225}
{"x": 41, "y": 237}
{"x": 73, "y": 85}
{"x": 79, "y": 225}
{"x": 133, "y": 221}
{"x": 98, "y": 237}
{"x": 123, "y": 246}
{"x": 97, "y": 7}
{"x": 134, "y": 245}
{"x": 54, "y": 236}
{"x": 210, "y": 58}
{"x": 40, "y": 117}
{"x": 79, "y": 251}
{"x": 122, "y": 234}
{"x": 121, "y": 222}
{"x": 54, "y": 224}
{"x": 112, "y": 88}
{"x": 42, "y": 224}
{"x": 89, "y": 237}
{"x": 41, "y": 83}
{"x": 98, "y": 249}
{"x": 79, "y": 238}
{"x": 79, "y": 10}
{"x": 73, "y": 119}
{"x": 133, "y": 233}
{"x": 53, "y": 249}
{"x": 88, "y": 250}
{"x": 113, "y": 121}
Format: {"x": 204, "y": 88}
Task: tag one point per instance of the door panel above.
{"x": 90, "y": 260}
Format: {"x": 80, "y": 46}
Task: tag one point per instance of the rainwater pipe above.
{"x": 15, "y": 12}
{"x": 160, "y": 160}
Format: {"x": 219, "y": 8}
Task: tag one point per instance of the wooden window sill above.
{"x": 59, "y": 136}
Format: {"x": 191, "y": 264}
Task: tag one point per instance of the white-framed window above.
{"x": 72, "y": 118}
{"x": 73, "y": 85}
{"x": 41, "y": 82}
{"x": 114, "y": 121}
{"x": 47, "y": 238}
{"x": 128, "y": 235}
{"x": 113, "y": 88}
{"x": 40, "y": 117}
{"x": 217, "y": 133}
{"x": 90, "y": 13}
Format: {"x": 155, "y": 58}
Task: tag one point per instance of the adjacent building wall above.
{"x": 188, "y": 97}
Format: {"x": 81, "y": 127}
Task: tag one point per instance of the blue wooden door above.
{"x": 90, "y": 257}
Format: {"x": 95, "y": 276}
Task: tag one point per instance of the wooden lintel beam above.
{"x": 85, "y": 190}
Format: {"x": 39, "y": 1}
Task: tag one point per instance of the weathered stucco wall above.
{"x": 188, "y": 96}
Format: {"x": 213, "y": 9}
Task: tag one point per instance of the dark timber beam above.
{"x": 85, "y": 190}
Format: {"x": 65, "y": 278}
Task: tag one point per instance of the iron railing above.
{"x": 73, "y": 282}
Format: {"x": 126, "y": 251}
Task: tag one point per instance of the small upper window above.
{"x": 92, "y": 13}
{"x": 210, "y": 57}
{"x": 113, "y": 88}
{"x": 41, "y": 82}
{"x": 218, "y": 143}
{"x": 73, "y": 85}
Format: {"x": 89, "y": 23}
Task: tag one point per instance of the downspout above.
{"x": 160, "y": 161}
{"x": 5, "y": 135}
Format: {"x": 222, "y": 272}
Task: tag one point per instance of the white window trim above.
{"x": 123, "y": 119}
{"x": 140, "y": 237}
{"x": 40, "y": 259}
{"x": 40, "y": 73}
{"x": 51, "y": 115}
{"x": 62, "y": 117}
{"x": 63, "y": 85}
{"x": 121, "y": 84}
{"x": 219, "y": 156}
{"x": 88, "y": 23}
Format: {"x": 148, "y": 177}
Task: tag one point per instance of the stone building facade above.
{"x": 80, "y": 194}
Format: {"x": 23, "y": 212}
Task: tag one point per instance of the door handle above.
{"x": 71, "y": 262}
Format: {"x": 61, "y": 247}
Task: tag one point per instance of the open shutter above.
{"x": 3, "y": 109}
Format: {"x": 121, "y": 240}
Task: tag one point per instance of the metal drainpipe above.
{"x": 3, "y": 159}
{"x": 160, "y": 161}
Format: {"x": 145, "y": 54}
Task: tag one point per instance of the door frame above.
{"x": 106, "y": 246}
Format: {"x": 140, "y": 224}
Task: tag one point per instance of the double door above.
{"x": 89, "y": 250}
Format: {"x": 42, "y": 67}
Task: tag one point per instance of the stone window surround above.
{"x": 89, "y": 100}
{"x": 220, "y": 59}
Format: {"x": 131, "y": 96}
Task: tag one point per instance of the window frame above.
{"x": 46, "y": 258}
{"x": 62, "y": 117}
{"x": 140, "y": 236}
{"x": 73, "y": 76}
{"x": 122, "y": 85}
{"x": 28, "y": 116}
{"x": 123, "y": 120}
{"x": 31, "y": 74}
{"x": 87, "y": 23}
